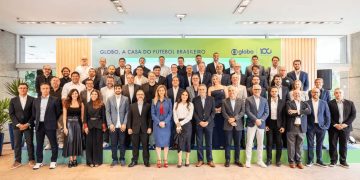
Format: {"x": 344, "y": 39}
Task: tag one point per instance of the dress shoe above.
{"x": 292, "y": 165}
{"x": 132, "y": 164}
{"x": 278, "y": 164}
{"x": 147, "y": 164}
{"x": 32, "y": 163}
{"x": 300, "y": 166}
{"x": 345, "y": 165}
{"x": 227, "y": 163}
{"x": 211, "y": 164}
{"x": 122, "y": 162}
{"x": 114, "y": 163}
{"x": 200, "y": 163}
{"x": 238, "y": 163}
{"x": 70, "y": 164}
{"x": 268, "y": 163}
{"x": 15, "y": 165}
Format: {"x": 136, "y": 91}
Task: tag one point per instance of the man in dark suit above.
{"x": 174, "y": 73}
{"x": 102, "y": 69}
{"x": 94, "y": 78}
{"x": 119, "y": 71}
{"x": 271, "y": 71}
{"x": 20, "y": 112}
{"x": 211, "y": 67}
{"x": 283, "y": 92}
{"x": 324, "y": 93}
{"x": 286, "y": 81}
{"x": 161, "y": 80}
{"x": 224, "y": 78}
{"x": 317, "y": 125}
{"x": 297, "y": 112}
{"x": 298, "y": 74}
{"x": 142, "y": 65}
{"x": 174, "y": 93}
{"x": 256, "y": 72}
{"x": 111, "y": 72}
{"x": 204, "y": 113}
{"x": 188, "y": 75}
{"x": 139, "y": 127}
{"x": 126, "y": 72}
{"x": 275, "y": 125}
{"x": 233, "y": 110}
{"x": 205, "y": 77}
{"x": 242, "y": 77}
{"x": 44, "y": 78}
{"x": 254, "y": 61}
{"x": 130, "y": 89}
{"x": 65, "y": 72}
{"x": 257, "y": 110}
{"x": 45, "y": 113}
{"x": 231, "y": 69}
{"x": 181, "y": 66}
{"x": 343, "y": 113}
{"x": 256, "y": 81}
{"x": 85, "y": 94}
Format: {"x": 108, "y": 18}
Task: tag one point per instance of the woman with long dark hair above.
{"x": 183, "y": 113}
{"x": 73, "y": 117}
{"x": 94, "y": 126}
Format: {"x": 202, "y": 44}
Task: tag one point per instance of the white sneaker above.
{"x": 47, "y": 147}
{"x": 52, "y": 165}
{"x": 61, "y": 146}
{"x": 261, "y": 164}
{"x": 105, "y": 145}
{"x": 38, "y": 166}
{"x": 248, "y": 164}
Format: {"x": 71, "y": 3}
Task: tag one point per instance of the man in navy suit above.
{"x": 256, "y": 72}
{"x": 297, "y": 112}
{"x": 224, "y": 78}
{"x": 174, "y": 72}
{"x": 254, "y": 61}
{"x": 211, "y": 67}
{"x": 324, "y": 93}
{"x": 205, "y": 77}
{"x": 257, "y": 110}
{"x": 45, "y": 112}
{"x": 318, "y": 124}
{"x": 231, "y": 69}
{"x": 204, "y": 113}
{"x": 298, "y": 74}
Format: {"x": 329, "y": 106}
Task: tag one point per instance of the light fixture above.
{"x": 69, "y": 22}
{"x": 181, "y": 16}
{"x": 289, "y": 22}
{"x": 240, "y": 8}
{"x": 118, "y": 6}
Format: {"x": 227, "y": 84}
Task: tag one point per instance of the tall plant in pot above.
{"x": 12, "y": 90}
{"x": 4, "y": 118}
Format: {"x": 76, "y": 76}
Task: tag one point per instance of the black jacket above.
{"x": 18, "y": 115}
{"x": 139, "y": 123}
{"x": 52, "y": 113}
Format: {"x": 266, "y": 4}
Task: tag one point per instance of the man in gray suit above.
{"x": 257, "y": 110}
{"x": 198, "y": 60}
{"x": 111, "y": 72}
{"x": 85, "y": 94}
{"x": 117, "y": 108}
{"x": 297, "y": 112}
{"x": 233, "y": 110}
{"x": 102, "y": 69}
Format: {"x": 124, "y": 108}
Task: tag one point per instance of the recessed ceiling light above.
{"x": 240, "y": 8}
{"x": 118, "y": 6}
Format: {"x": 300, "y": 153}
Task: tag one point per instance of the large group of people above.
{"x": 177, "y": 108}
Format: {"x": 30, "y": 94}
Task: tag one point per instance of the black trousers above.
{"x": 18, "y": 137}
{"x": 273, "y": 136}
{"x": 106, "y": 136}
{"x": 135, "y": 140}
{"x": 94, "y": 147}
{"x": 200, "y": 132}
{"x": 236, "y": 136}
{"x": 342, "y": 137}
{"x": 310, "y": 135}
{"x": 40, "y": 136}
{"x": 117, "y": 139}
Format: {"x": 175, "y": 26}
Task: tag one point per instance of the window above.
{"x": 331, "y": 50}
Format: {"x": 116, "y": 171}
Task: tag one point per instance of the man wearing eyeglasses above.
{"x": 44, "y": 78}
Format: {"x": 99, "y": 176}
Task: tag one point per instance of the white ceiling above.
{"x": 157, "y": 17}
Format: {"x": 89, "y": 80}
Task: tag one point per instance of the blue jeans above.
{"x": 310, "y": 135}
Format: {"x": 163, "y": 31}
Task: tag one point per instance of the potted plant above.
{"x": 4, "y": 118}
{"x": 12, "y": 90}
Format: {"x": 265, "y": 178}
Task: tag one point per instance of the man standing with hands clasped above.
{"x": 117, "y": 108}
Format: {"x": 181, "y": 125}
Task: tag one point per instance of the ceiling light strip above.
{"x": 287, "y": 22}
{"x": 69, "y": 22}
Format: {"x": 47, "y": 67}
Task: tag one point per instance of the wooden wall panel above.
{"x": 303, "y": 49}
{"x": 69, "y": 52}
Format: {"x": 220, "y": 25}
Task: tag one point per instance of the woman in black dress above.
{"x": 73, "y": 116}
{"x": 94, "y": 127}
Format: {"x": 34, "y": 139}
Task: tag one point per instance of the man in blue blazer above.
{"x": 45, "y": 112}
{"x": 324, "y": 94}
{"x": 297, "y": 112}
{"x": 298, "y": 74}
{"x": 174, "y": 72}
{"x": 117, "y": 108}
{"x": 257, "y": 110}
{"x": 318, "y": 124}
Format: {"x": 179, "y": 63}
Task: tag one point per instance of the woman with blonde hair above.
{"x": 161, "y": 113}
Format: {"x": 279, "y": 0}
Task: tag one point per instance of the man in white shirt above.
{"x": 273, "y": 69}
{"x": 140, "y": 79}
{"x": 108, "y": 90}
{"x": 165, "y": 70}
{"x": 74, "y": 84}
{"x": 296, "y": 128}
{"x": 122, "y": 66}
{"x": 83, "y": 69}
{"x": 318, "y": 124}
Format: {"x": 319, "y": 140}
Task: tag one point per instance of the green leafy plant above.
{"x": 12, "y": 87}
{"x": 4, "y": 113}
